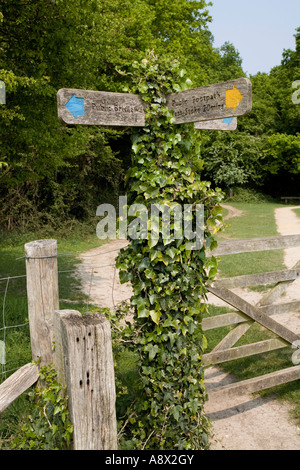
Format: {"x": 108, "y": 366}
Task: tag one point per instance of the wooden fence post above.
{"x": 84, "y": 362}
{"x": 42, "y": 296}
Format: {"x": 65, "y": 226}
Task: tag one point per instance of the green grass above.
{"x": 297, "y": 212}
{"x": 13, "y": 302}
{"x": 257, "y": 221}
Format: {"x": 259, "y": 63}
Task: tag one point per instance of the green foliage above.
{"x": 228, "y": 63}
{"x": 264, "y": 117}
{"x": 284, "y": 153}
{"x": 265, "y": 146}
{"x": 51, "y": 173}
{"x": 282, "y": 78}
{"x": 48, "y": 427}
{"x": 169, "y": 281}
{"x": 233, "y": 159}
{"x": 248, "y": 195}
{"x": 225, "y": 170}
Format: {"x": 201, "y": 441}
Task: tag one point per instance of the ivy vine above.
{"x": 48, "y": 427}
{"x": 169, "y": 281}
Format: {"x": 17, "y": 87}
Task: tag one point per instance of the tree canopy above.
{"x": 50, "y": 172}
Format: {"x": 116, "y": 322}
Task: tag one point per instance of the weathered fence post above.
{"x": 84, "y": 363}
{"x": 80, "y": 348}
{"x": 42, "y": 296}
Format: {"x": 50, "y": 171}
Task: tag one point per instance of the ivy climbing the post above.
{"x": 168, "y": 278}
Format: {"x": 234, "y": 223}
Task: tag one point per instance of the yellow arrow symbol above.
{"x": 233, "y": 97}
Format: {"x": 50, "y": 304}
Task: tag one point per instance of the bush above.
{"x": 248, "y": 195}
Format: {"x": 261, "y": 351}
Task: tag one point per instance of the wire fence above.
{"x": 6, "y": 282}
{"x": 15, "y": 348}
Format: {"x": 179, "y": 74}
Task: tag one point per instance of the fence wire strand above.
{"x": 89, "y": 301}
{"x": 68, "y": 254}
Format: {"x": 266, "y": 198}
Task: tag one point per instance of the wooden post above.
{"x": 83, "y": 355}
{"x": 42, "y": 296}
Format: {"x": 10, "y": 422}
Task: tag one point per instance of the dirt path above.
{"x": 99, "y": 277}
{"x": 244, "y": 423}
{"x": 232, "y": 212}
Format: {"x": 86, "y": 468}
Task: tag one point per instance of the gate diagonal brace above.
{"x": 254, "y": 313}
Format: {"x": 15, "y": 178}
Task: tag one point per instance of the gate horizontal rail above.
{"x": 247, "y": 314}
{"x": 248, "y": 245}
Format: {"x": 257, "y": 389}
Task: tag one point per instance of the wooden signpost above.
{"x": 100, "y": 108}
{"x": 221, "y": 102}
{"x": 226, "y": 124}
{"x": 218, "y": 103}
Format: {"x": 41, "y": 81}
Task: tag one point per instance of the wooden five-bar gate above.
{"x": 247, "y": 314}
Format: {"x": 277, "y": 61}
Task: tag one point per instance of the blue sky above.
{"x": 259, "y": 29}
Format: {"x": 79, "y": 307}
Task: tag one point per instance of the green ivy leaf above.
{"x": 143, "y": 312}
{"x": 176, "y": 412}
{"x": 152, "y": 350}
{"x": 155, "y": 316}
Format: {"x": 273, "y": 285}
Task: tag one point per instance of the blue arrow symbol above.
{"x": 76, "y": 106}
{"x": 228, "y": 121}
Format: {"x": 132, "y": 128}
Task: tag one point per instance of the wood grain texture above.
{"x": 89, "y": 369}
{"x": 217, "y": 125}
{"x": 102, "y": 108}
{"x": 211, "y": 102}
{"x": 42, "y": 296}
{"x": 260, "y": 279}
{"x": 234, "y": 318}
{"x": 254, "y": 313}
{"x": 256, "y": 384}
{"x": 17, "y": 384}
{"x": 250, "y": 245}
{"x": 224, "y": 355}
{"x": 265, "y": 306}
{"x": 59, "y": 358}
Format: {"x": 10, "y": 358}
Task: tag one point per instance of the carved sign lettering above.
{"x": 218, "y": 101}
{"x": 214, "y": 102}
{"x": 100, "y": 108}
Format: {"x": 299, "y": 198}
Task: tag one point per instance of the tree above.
{"x": 282, "y": 78}
{"x": 266, "y": 146}
{"x": 229, "y": 62}
{"x": 57, "y": 172}
{"x": 282, "y": 144}
{"x": 284, "y": 153}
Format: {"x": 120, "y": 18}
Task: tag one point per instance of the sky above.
{"x": 259, "y": 29}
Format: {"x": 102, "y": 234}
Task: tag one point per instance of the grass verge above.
{"x": 72, "y": 240}
{"x": 297, "y": 212}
